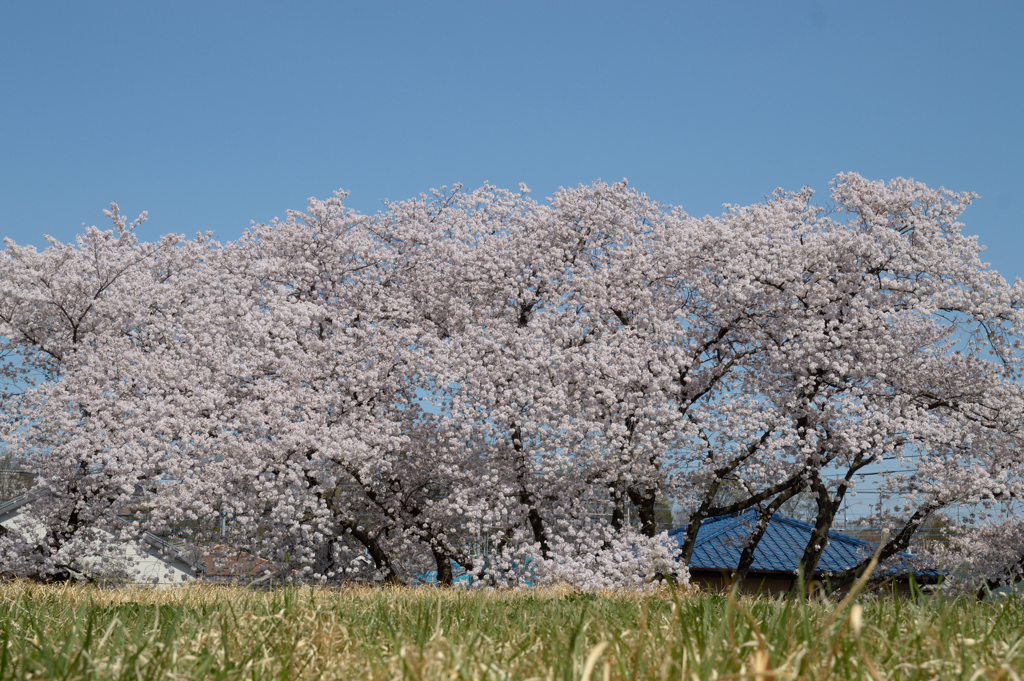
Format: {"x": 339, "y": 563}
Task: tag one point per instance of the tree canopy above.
{"x": 481, "y": 379}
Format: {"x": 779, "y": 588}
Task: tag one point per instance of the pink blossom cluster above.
{"x": 524, "y": 390}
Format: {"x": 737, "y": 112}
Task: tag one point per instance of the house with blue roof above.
{"x": 720, "y": 542}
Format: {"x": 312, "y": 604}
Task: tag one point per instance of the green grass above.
{"x": 304, "y": 633}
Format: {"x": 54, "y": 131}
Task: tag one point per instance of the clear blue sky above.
{"x": 212, "y": 114}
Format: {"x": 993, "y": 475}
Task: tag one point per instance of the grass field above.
{"x": 304, "y": 633}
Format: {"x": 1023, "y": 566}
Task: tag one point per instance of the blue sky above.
{"x": 212, "y": 114}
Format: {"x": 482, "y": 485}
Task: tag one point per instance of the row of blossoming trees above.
{"x": 362, "y": 395}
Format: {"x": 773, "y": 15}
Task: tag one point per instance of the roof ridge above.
{"x": 707, "y": 521}
{"x": 832, "y": 534}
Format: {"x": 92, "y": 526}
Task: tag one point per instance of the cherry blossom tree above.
{"x": 61, "y": 308}
{"x": 478, "y": 379}
{"x": 912, "y": 359}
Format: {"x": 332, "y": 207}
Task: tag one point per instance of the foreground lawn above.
{"x": 302, "y": 633}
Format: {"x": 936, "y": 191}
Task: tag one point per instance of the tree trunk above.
{"x": 381, "y": 560}
{"x": 706, "y": 510}
{"x": 536, "y": 523}
{"x": 645, "y": 500}
{"x": 897, "y": 543}
{"x": 765, "y": 517}
{"x": 323, "y": 559}
{"x": 827, "y": 508}
{"x": 618, "y": 512}
{"x": 444, "y": 567}
{"x": 993, "y": 584}
{"x": 693, "y": 526}
{"x": 526, "y": 498}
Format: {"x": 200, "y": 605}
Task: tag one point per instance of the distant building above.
{"x": 158, "y": 562}
{"x": 163, "y": 562}
{"x": 227, "y": 564}
{"x": 720, "y": 542}
{"x": 14, "y": 483}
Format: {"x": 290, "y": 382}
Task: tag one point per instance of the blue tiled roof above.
{"x": 720, "y": 542}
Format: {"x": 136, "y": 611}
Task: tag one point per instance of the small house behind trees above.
{"x": 720, "y": 542}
